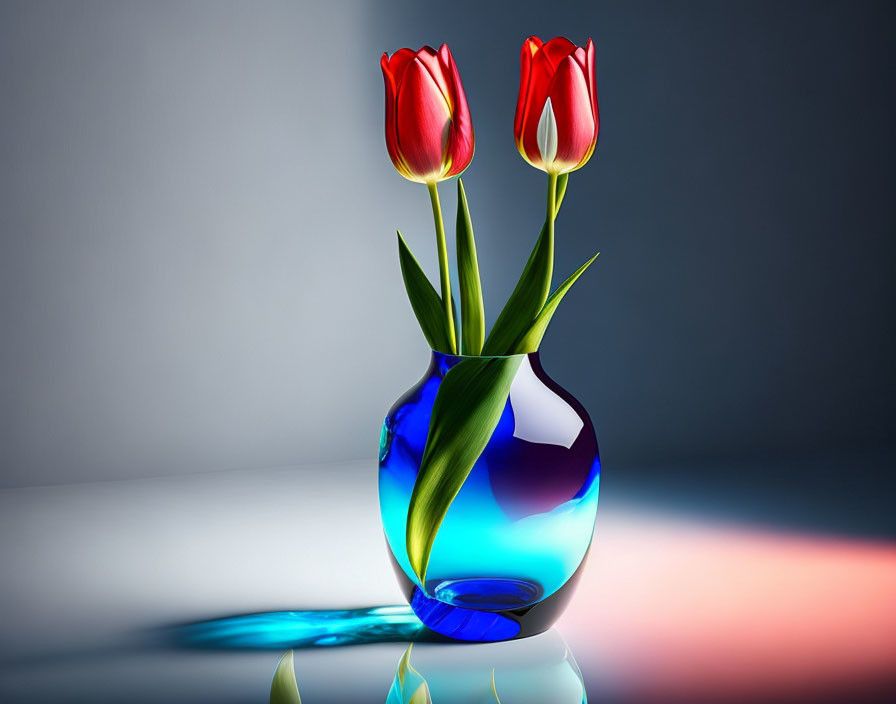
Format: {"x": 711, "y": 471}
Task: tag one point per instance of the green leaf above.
{"x": 284, "y": 689}
{"x": 562, "y": 183}
{"x": 530, "y": 341}
{"x": 466, "y": 411}
{"x": 531, "y": 291}
{"x": 427, "y": 304}
{"x": 472, "y": 313}
{"x": 495, "y": 689}
{"x": 454, "y": 310}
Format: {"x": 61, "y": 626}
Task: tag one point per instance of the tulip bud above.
{"x": 429, "y": 133}
{"x": 557, "y": 118}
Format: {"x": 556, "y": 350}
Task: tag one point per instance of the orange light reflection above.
{"x": 671, "y": 610}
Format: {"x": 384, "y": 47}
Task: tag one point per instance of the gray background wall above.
{"x": 197, "y": 258}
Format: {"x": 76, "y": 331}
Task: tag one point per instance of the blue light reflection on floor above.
{"x": 305, "y": 629}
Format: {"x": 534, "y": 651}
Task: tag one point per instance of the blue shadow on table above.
{"x": 278, "y": 630}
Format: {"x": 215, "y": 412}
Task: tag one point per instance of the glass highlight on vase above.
{"x": 511, "y": 547}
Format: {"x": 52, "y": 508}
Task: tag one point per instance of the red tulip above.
{"x": 556, "y": 114}
{"x": 429, "y": 133}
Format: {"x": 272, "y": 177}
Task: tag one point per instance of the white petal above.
{"x": 547, "y": 134}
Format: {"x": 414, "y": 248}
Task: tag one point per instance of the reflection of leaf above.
{"x": 284, "y": 689}
{"x": 531, "y": 339}
{"x": 427, "y": 304}
{"x": 494, "y": 689}
{"x": 531, "y": 290}
{"x": 421, "y": 696}
{"x": 404, "y": 664}
{"x": 408, "y": 680}
{"x": 466, "y": 411}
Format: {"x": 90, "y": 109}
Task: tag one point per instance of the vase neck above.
{"x": 443, "y": 362}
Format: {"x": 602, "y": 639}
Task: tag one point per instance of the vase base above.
{"x": 486, "y": 610}
{"x": 462, "y": 624}
{"x": 486, "y": 594}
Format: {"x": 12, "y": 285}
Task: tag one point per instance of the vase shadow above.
{"x": 303, "y": 629}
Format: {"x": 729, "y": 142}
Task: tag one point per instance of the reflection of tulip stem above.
{"x": 551, "y": 214}
{"x": 443, "y": 263}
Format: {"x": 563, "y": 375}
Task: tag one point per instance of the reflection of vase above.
{"x": 535, "y": 671}
{"x": 509, "y": 551}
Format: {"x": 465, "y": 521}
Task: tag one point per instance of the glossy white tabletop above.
{"x": 101, "y": 582}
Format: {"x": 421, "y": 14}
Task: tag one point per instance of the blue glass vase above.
{"x": 511, "y": 547}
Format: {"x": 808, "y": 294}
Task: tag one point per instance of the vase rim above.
{"x": 436, "y": 353}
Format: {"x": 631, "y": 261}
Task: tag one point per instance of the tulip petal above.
{"x": 461, "y": 140}
{"x": 547, "y": 135}
{"x": 592, "y": 86}
{"x": 530, "y": 48}
{"x": 422, "y": 121}
{"x": 539, "y": 85}
{"x": 572, "y": 108}
{"x": 430, "y": 58}
{"x": 391, "y": 126}
{"x": 398, "y": 62}
{"x": 558, "y": 49}
{"x": 387, "y": 74}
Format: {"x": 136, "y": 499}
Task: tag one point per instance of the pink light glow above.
{"x": 671, "y": 610}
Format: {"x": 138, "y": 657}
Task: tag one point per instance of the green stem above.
{"x": 443, "y": 263}
{"x": 551, "y": 214}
